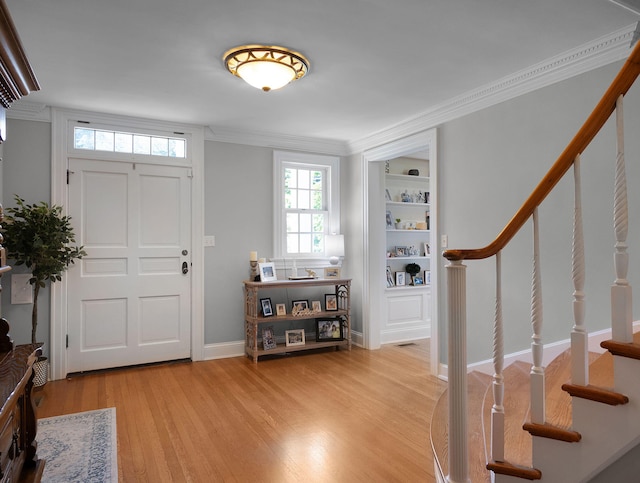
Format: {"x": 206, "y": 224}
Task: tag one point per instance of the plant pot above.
{"x": 41, "y": 370}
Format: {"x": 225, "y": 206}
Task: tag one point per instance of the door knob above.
{"x": 185, "y": 268}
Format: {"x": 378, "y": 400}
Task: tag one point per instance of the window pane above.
{"x": 318, "y": 243}
{"x": 83, "y": 138}
{"x": 316, "y": 202}
{"x": 292, "y": 222}
{"x": 159, "y": 147}
{"x": 303, "y": 199}
{"x": 305, "y": 244}
{"x": 290, "y": 198}
{"x": 290, "y": 178}
{"x": 104, "y": 141}
{"x": 305, "y": 222}
{"x": 316, "y": 180}
{"x": 124, "y": 142}
{"x": 318, "y": 223}
{"x": 292, "y": 244}
{"x": 141, "y": 144}
{"x": 303, "y": 178}
{"x": 176, "y": 148}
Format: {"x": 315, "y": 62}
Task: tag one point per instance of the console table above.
{"x": 252, "y": 316}
{"x": 18, "y": 459}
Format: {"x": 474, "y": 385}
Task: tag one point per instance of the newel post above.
{"x": 457, "y": 359}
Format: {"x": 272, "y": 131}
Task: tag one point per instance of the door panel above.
{"x": 129, "y": 300}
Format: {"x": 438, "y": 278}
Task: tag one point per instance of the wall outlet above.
{"x": 210, "y": 241}
{"x": 444, "y": 241}
{"x": 21, "y": 289}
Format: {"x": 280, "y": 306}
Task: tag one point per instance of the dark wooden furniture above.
{"x": 18, "y": 426}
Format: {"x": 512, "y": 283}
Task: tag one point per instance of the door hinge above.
{"x": 67, "y": 341}
{"x": 69, "y": 173}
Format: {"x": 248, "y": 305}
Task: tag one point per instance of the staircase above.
{"x": 574, "y": 418}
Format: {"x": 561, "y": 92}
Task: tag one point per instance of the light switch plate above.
{"x": 210, "y": 241}
{"x": 21, "y": 289}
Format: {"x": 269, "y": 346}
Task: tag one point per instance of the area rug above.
{"x": 79, "y": 447}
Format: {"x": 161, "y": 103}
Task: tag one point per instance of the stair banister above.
{"x": 456, "y": 270}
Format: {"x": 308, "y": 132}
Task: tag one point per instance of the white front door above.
{"x": 129, "y": 297}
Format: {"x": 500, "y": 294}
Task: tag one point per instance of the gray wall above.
{"x": 490, "y": 161}
{"x": 27, "y": 173}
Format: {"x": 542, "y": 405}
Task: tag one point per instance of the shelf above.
{"x": 288, "y": 318}
{"x": 309, "y": 345}
{"x": 407, "y": 203}
{"x": 408, "y": 287}
{"x": 414, "y": 257}
{"x": 406, "y": 177}
{"x": 392, "y": 230}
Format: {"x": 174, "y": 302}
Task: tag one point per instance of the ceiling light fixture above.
{"x": 266, "y": 67}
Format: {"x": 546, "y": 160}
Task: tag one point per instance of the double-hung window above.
{"x": 307, "y": 204}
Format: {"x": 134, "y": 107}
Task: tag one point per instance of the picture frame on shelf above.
{"x": 329, "y": 330}
{"x": 299, "y": 305}
{"x": 389, "y": 220}
{"x": 267, "y": 271}
{"x": 390, "y": 281}
{"x": 330, "y": 302}
{"x": 267, "y": 309}
{"x": 427, "y": 277}
{"x": 400, "y": 279}
{"x": 281, "y": 309}
{"x": 294, "y": 337}
{"x": 401, "y": 252}
{"x": 332, "y": 272}
{"x": 387, "y": 195}
{"x": 417, "y": 280}
{"x": 427, "y": 249}
{"x": 316, "y": 306}
{"x": 268, "y": 338}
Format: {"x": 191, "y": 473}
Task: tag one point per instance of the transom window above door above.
{"x": 128, "y": 143}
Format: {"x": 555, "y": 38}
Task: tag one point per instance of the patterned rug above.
{"x": 79, "y": 447}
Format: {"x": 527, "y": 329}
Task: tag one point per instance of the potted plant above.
{"x": 38, "y": 236}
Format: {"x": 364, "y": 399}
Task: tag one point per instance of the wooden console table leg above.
{"x": 30, "y": 424}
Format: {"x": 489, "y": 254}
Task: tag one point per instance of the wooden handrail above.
{"x": 620, "y": 85}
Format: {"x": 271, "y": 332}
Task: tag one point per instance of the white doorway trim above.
{"x": 372, "y": 241}
{"x": 60, "y": 153}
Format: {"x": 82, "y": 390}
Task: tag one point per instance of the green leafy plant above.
{"x": 39, "y": 237}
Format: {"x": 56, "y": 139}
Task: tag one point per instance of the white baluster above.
{"x": 497, "y": 411}
{"x": 621, "y": 319}
{"x": 457, "y": 358}
{"x": 579, "y": 336}
{"x": 537, "y": 371}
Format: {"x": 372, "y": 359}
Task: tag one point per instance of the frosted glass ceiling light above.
{"x": 265, "y": 67}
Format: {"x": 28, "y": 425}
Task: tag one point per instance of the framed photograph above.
{"x": 389, "y": 220}
{"x": 281, "y": 309}
{"x": 328, "y": 329}
{"x": 332, "y": 272}
{"x": 299, "y": 304}
{"x": 387, "y": 195}
{"x": 268, "y": 338}
{"x": 390, "y": 282}
{"x": 399, "y": 279}
{"x": 267, "y": 310}
{"x": 267, "y": 271}
{"x": 315, "y": 306}
{"x": 417, "y": 280}
{"x": 330, "y": 302}
{"x": 427, "y": 277}
{"x": 294, "y": 337}
{"x": 427, "y": 249}
{"x": 402, "y": 252}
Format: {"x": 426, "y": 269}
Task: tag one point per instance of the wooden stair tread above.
{"x": 503, "y": 468}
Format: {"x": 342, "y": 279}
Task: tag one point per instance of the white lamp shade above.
{"x": 334, "y": 247}
{"x": 266, "y": 75}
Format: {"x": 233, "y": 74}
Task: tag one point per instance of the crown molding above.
{"x": 277, "y": 141}
{"x": 600, "y": 52}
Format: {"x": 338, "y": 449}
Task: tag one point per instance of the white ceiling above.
{"x": 374, "y": 63}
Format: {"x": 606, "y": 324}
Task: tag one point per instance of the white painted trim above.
{"x": 59, "y": 192}
{"x": 551, "y": 351}
{"x": 397, "y": 336}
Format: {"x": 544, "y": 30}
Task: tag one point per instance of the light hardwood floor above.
{"x": 335, "y": 416}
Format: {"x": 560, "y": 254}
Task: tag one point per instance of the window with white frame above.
{"x": 307, "y": 204}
